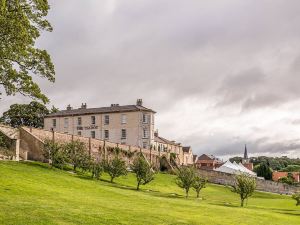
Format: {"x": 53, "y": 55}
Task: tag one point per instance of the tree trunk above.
{"x": 186, "y": 193}
{"x": 111, "y": 179}
{"x": 138, "y": 186}
{"x": 198, "y": 194}
{"x": 242, "y": 202}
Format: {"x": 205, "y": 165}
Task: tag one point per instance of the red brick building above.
{"x": 208, "y": 162}
{"x": 277, "y": 175}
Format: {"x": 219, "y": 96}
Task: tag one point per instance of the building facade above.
{"x": 163, "y": 145}
{"x": 129, "y": 124}
{"x": 208, "y": 162}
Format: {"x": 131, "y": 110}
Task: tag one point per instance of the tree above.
{"x": 296, "y": 196}
{"x": 115, "y": 168}
{"x": 21, "y": 22}
{"x": 78, "y": 155}
{"x": 289, "y": 179}
{"x": 263, "y": 170}
{"x": 55, "y": 154}
{"x": 97, "y": 169}
{"x": 143, "y": 171}
{"x": 31, "y": 115}
{"x": 185, "y": 179}
{"x": 244, "y": 186}
{"x": 198, "y": 184}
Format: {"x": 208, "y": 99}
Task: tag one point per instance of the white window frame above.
{"x": 106, "y": 136}
{"x": 93, "y": 134}
{"x": 79, "y": 121}
{"x": 106, "y": 119}
{"x": 54, "y": 123}
{"x": 66, "y": 122}
{"x": 123, "y": 131}
{"x": 93, "y": 120}
{"x": 123, "y": 119}
{"x": 145, "y": 118}
{"x": 145, "y": 133}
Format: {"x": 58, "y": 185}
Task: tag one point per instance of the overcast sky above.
{"x": 219, "y": 73}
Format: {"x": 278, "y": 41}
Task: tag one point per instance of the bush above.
{"x": 185, "y": 179}
{"x": 244, "y": 186}
{"x": 55, "y": 154}
{"x": 115, "y": 168}
{"x": 198, "y": 184}
{"x": 78, "y": 155}
{"x": 143, "y": 171}
{"x": 97, "y": 168}
{"x": 296, "y": 197}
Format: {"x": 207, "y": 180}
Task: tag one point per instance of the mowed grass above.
{"x": 33, "y": 193}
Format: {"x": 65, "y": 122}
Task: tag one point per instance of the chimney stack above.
{"x": 156, "y": 133}
{"x": 139, "y": 102}
{"x": 69, "y": 107}
{"x": 83, "y": 106}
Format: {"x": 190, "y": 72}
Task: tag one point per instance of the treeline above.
{"x": 275, "y": 163}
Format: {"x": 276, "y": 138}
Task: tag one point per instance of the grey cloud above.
{"x": 228, "y": 54}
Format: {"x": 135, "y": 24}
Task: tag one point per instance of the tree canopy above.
{"x": 31, "y": 114}
{"x": 21, "y": 23}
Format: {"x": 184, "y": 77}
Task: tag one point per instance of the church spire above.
{"x": 245, "y": 154}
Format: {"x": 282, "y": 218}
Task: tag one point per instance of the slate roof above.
{"x": 186, "y": 149}
{"x": 165, "y": 141}
{"x": 101, "y": 110}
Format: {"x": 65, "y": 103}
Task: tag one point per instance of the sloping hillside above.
{"x": 32, "y": 193}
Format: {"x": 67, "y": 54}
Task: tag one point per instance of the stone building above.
{"x": 164, "y": 145}
{"x": 188, "y": 157}
{"x": 128, "y": 124}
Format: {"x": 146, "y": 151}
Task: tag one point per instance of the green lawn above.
{"x": 32, "y": 193}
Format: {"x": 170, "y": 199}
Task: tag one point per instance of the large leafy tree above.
{"x": 185, "y": 179}
{"x": 31, "y": 114}
{"x": 21, "y": 22}
{"x": 263, "y": 170}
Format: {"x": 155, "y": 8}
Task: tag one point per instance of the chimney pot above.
{"x": 139, "y": 102}
{"x": 69, "y": 107}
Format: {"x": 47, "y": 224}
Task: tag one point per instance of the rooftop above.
{"x": 114, "y": 108}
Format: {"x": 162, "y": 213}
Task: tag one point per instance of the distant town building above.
{"x": 208, "y": 162}
{"x": 128, "y": 124}
{"x": 277, "y": 175}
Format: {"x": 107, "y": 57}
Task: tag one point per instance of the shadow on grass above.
{"x": 131, "y": 188}
{"x": 290, "y": 214}
{"x": 226, "y": 204}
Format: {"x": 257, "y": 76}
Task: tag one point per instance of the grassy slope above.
{"x": 31, "y": 193}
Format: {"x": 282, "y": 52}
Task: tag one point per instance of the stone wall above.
{"x": 32, "y": 140}
{"x": 262, "y": 185}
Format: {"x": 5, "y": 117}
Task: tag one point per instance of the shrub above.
{"x": 78, "y": 155}
{"x": 296, "y": 196}
{"x": 115, "y": 168}
{"x": 97, "y": 169}
{"x": 185, "y": 179}
{"x": 55, "y": 154}
{"x": 244, "y": 186}
{"x": 143, "y": 171}
{"x": 198, "y": 184}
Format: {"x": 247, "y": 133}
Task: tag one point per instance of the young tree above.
{"x": 31, "y": 115}
{"x": 97, "y": 169}
{"x": 55, "y": 154}
{"x": 21, "y": 23}
{"x": 115, "y": 168}
{"x": 77, "y": 155}
{"x": 143, "y": 171}
{"x": 185, "y": 179}
{"x": 244, "y": 186}
{"x": 198, "y": 184}
{"x": 296, "y": 196}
